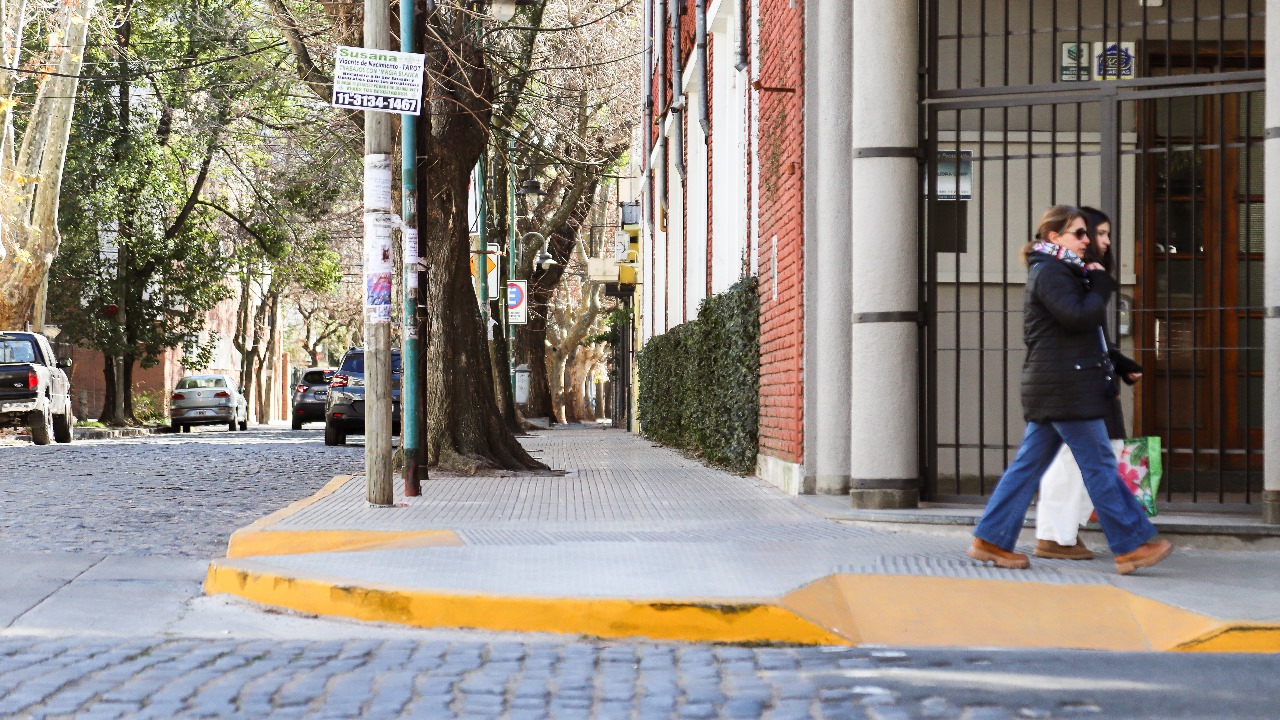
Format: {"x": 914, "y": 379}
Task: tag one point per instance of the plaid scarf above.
{"x": 1057, "y": 251}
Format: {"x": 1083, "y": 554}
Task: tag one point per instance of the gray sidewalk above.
{"x": 636, "y": 540}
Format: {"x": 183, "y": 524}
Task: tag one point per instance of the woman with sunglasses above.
{"x": 1064, "y": 505}
{"x": 1066, "y": 394}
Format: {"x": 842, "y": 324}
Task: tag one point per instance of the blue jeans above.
{"x": 1123, "y": 520}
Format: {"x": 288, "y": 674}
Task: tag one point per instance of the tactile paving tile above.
{"x": 1041, "y": 571}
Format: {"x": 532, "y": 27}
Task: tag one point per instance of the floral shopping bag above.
{"x": 1141, "y": 470}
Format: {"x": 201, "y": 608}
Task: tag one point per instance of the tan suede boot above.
{"x": 1145, "y": 556}
{"x": 1058, "y": 551}
{"x": 985, "y": 552}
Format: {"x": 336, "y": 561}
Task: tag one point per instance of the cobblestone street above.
{"x": 167, "y": 495}
{"x": 516, "y": 680}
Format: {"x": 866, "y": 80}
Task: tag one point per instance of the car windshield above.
{"x": 201, "y": 383}
{"x": 354, "y": 363}
{"x": 17, "y": 350}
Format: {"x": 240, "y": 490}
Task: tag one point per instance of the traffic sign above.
{"x": 518, "y": 302}
{"x": 491, "y": 262}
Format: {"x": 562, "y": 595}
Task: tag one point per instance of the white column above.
{"x": 884, "y": 466}
{"x": 828, "y": 233}
{"x": 1271, "y": 351}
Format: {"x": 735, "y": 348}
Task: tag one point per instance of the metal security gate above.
{"x": 1151, "y": 114}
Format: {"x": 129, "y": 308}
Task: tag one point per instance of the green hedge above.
{"x": 700, "y": 381}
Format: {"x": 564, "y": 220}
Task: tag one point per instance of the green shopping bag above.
{"x": 1141, "y": 470}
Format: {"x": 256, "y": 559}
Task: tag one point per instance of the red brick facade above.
{"x": 780, "y": 152}
{"x": 778, "y": 147}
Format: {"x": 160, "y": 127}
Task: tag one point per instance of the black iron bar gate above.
{"x": 1151, "y": 114}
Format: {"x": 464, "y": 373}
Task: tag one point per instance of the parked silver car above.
{"x": 309, "y": 396}
{"x": 207, "y": 400}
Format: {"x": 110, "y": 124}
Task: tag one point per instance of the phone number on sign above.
{"x": 376, "y": 102}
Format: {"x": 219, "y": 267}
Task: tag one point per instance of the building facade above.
{"x": 879, "y": 165}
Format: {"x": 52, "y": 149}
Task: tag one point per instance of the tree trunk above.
{"x": 575, "y": 400}
{"x": 130, "y": 362}
{"x": 107, "y": 416}
{"x": 463, "y": 427}
{"x": 501, "y": 363}
{"x": 29, "y": 220}
{"x": 555, "y": 373}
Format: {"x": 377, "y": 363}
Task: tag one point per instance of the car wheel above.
{"x": 297, "y": 423}
{"x": 62, "y": 427}
{"x": 186, "y": 428}
{"x": 42, "y": 428}
{"x": 174, "y": 426}
{"x": 244, "y": 425}
{"x": 333, "y": 435}
{"x": 231, "y": 426}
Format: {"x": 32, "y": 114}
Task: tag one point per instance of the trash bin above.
{"x": 522, "y": 384}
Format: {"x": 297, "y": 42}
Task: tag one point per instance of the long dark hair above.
{"x": 1093, "y": 219}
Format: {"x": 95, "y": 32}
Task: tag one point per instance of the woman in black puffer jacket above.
{"x": 1067, "y": 391}
{"x": 1064, "y": 504}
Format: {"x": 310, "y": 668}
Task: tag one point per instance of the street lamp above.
{"x": 544, "y": 261}
{"x": 504, "y": 10}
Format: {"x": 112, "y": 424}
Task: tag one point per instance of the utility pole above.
{"x": 481, "y": 254}
{"x": 379, "y": 141}
{"x": 511, "y": 261}
{"x": 410, "y": 404}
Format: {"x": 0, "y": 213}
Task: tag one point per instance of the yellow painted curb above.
{"x": 835, "y": 610}
{"x": 1239, "y": 637}
{"x": 738, "y": 620}
{"x": 262, "y": 543}
{"x": 294, "y": 508}
{"x": 259, "y": 540}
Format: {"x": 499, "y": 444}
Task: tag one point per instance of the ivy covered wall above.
{"x": 700, "y": 381}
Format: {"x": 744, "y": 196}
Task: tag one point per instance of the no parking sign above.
{"x": 518, "y": 302}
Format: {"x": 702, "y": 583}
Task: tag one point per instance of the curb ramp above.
{"x": 838, "y": 609}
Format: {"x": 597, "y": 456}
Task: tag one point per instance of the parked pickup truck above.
{"x": 34, "y": 391}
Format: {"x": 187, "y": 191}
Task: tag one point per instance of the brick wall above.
{"x": 780, "y": 149}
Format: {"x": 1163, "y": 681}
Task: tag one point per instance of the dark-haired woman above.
{"x": 1066, "y": 394}
{"x": 1064, "y": 505}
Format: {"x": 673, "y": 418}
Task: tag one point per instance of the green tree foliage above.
{"x": 194, "y": 161}
{"x": 700, "y": 381}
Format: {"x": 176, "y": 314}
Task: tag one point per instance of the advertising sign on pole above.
{"x": 379, "y": 80}
{"x": 378, "y": 267}
{"x": 518, "y": 302}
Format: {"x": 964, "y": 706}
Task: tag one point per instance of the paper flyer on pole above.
{"x": 377, "y": 267}
{"x": 380, "y": 80}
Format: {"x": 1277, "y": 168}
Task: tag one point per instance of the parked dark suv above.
{"x": 344, "y": 408}
{"x": 309, "y": 396}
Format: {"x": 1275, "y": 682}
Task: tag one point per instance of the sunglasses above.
{"x": 1080, "y": 233}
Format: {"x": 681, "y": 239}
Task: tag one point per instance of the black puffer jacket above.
{"x": 1067, "y": 375}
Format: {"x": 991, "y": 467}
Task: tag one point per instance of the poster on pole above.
{"x": 378, "y": 231}
{"x": 518, "y": 302}
{"x": 380, "y": 80}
